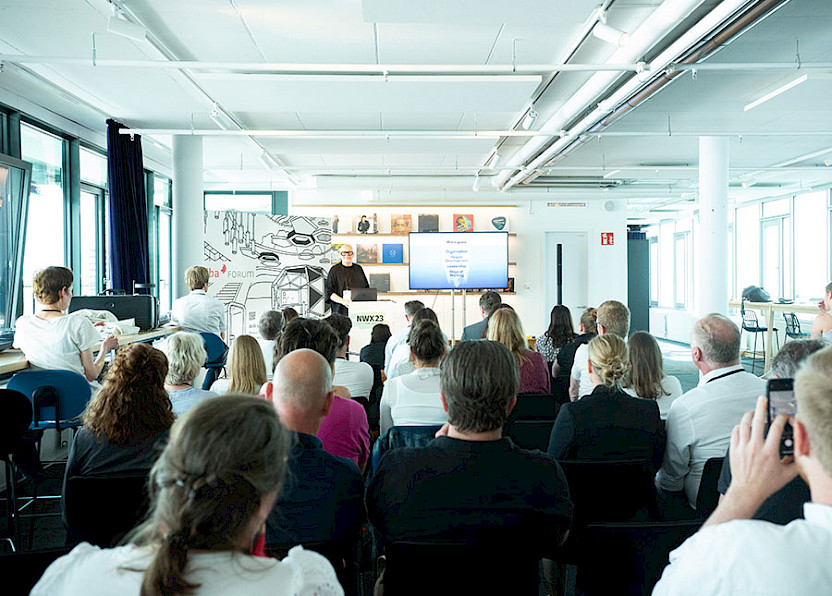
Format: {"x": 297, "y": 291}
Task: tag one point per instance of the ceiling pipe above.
{"x": 659, "y": 24}
{"x": 634, "y": 91}
{"x": 337, "y": 134}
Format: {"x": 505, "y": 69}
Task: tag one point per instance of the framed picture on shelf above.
{"x": 499, "y": 223}
{"x": 392, "y": 253}
{"x": 335, "y": 223}
{"x": 463, "y": 222}
{"x": 366, "y": 253}
{"x": 401, "y": 223}
{"x": 335, "y": 254}
{"x": 380, "y": 281}
{"x": 366, "y": 223}
{"x": 428, "y": 222}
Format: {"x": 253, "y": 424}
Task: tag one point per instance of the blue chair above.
{"x": 215, "y": 362}
{"x": 58, "y": 396}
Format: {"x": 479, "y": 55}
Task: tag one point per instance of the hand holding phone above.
{"x": 780, "y": 394}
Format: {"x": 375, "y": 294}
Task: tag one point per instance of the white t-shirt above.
{"x": 199, "y": 312}
{"x": 400, "y": 362}
{"x": 397, "y": 339}
{"x": 267, "y": 347}
{"x": 412, "y": 400}
{"x": 580, "y": 370}
{"x": 55, "y": 344}
{"x": 754, "y": 557}
{"x": 92, "y": 571}
{"x": 671, "y": 386}
{"x": 355, "y": 376}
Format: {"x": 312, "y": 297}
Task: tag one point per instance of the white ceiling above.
{"x": 432, "y": 36}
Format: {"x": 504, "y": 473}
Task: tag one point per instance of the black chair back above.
{"x": 126, "y": 502}
{"x": 708, "y": 496}
{"x": 452, "y": 567}
{"x": 21, "y": 571}
{"x": 750, "y": 321}
{"x": 793, "y": 326}
{"x": 628, "y": 557}
{"x": 530, "y": 423}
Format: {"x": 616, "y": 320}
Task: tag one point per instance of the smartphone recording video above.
{"x": 780, "y": 393}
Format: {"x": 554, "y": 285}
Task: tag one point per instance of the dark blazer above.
{"x": 609, "y": 424}
{"x": 473, "y": 331}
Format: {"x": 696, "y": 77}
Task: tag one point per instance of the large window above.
{"x": 164, "y": 238}
{"x": 654, "y": 271}
{"x": 747, "y": 231}
{"x": 94, "y": 236}
{"x": 45, "y": 239}
{"x": 811, "y": 252}
{"x": 682, "y": 269}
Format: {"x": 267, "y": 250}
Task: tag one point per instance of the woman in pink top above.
{"x": 504, "y": 326}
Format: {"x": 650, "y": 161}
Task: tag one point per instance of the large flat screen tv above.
{"x": 458, "y": 260}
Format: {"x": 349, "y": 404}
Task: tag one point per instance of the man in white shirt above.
{"x": 400, "y": 337}
{"x": 733, "y": 554}
{"x": 612, "y": 317}
{"x": 357, "y": 377}
{"x": 199, "y": 312}
{"x": 699, "y": 423}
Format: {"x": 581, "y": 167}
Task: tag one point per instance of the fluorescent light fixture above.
{"x": 529, "y": 119}
{"x": 748, "y": 183}
{"x": 611, "y": 174}
{"x": 492, "y": 161}
{"x": 217, "y": 116}
{"x": 610, "y": 34}
{"x": 476, "y": 186}
{"x": 776, "y": 92}
{"x": 125, "y": 28}
{"x": 268, "y": 161}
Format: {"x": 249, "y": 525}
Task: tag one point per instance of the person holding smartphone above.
{"x": 734, "y": 554}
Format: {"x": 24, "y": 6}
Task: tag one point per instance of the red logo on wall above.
{"x": 607, "y": 238}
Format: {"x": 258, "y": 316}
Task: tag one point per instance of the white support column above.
{"x": 712, "y": 284}
{"x": 187, "y": 208}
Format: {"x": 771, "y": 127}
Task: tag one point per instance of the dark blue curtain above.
{"x": 129, "y": 238}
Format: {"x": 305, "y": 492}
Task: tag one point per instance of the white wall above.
{"x": 530, "y": 219}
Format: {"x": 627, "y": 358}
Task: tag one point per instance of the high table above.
{"x": 768, "y": 309}
{"x": 13, "y": 360}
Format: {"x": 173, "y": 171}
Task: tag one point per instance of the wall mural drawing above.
{"x": 260, "y": 262}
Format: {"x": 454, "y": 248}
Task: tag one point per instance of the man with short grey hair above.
{"x": 699, "y": 423}
{"x": 488, "y": 302}
{"x": 473, "y": 483}
{"x": 270, "y": 326}
{"x": 411, "y": 307}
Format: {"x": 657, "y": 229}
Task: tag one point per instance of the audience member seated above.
{"x": 357, "y": 377}
{"x": 247, "y": 371}
{"x": 212, "y": 489}
{"x": 470, "y": 482}
{"x": 699, "y": 423}
{"x": 566, "y": 355}
{"x": 373, "y": 352}
{"x": 413, "y": 399}
{"x": 270, "y": 326}
{"x": 559, "y": 333}
{"x": 401, "y": 362}
{"x": 400, "y": 337}
{"x": 289, "y": 315}
{"x": 608, "y": 423}
{"x": 51, "y": 339}
{"x": 186, "y": 355}
{"x": 733, "y": 554}
{"x": 504, "y": 326}
{"x": 488, "y": 302}
{"x": 611, "y": 317}
{"x": 822, "y": 325}
{"x": 786, "y": 504}
{"x": 127, "y": 422}
{"x": 645, "y": 375}
{"x": 322, "y": 499}
{"x": 345, "y": 431}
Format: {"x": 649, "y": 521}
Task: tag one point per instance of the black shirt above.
{"x": 342, "y": 278}
{"x": 566, "y": 355}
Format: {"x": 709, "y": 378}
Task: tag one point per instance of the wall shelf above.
{"x": 388, "y": 235}
{"x": 399, "y": 264}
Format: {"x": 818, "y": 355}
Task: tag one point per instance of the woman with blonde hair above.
{"x": 211, "y": 490}
{"x": 608, "y": 423}
{"x": 186, "y": 355}
{"x": 645, "y": 376}
{"x": 504, "y": 326}
{"x": 247, "y": 370}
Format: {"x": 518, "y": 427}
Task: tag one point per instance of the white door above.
{"x": 567, "y": 274}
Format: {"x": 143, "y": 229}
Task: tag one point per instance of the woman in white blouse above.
{"x": 413, "y": 399}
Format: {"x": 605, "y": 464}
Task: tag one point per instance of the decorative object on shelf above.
{"x": 392, "y": 253}
{"x": 380, "y": 281}
{"x": 335, "y": 222}
{"x": 428, "y": 222}
{"x": 401, "y": 223}
{"x": 335, "y": 254}
{"x": 366, "y": 253}
{"x": 500, "y": 223}
{"x": 366, "y": 224}
{"x": 463, "y": 222}
{"x": 510, "y": 287}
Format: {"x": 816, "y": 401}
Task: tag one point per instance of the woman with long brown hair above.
{"x": 211, "y": 490}
{"x": 645, "y": 376}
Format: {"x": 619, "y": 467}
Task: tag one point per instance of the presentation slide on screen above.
{"x": 470, "y": 260}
